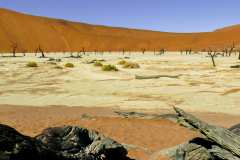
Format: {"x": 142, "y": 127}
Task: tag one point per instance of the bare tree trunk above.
{"x": 212, "y": 55}
{"x": 83, "y": 51}
{"x": 14, "y": 48}
{"x": 41, "y": 51}
{"x": 213, "y": 60}
{"x": 43, "y": 55}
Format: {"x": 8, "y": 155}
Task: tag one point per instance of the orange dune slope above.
{"x": 28, "y": 32}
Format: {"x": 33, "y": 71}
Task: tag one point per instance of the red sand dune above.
{"x": 61, "y": 35}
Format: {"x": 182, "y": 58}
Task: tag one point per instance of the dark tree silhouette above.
{"x": 229, "y": 50}
{"x": 123, "y": 51}
{"x": 143, "y": 51}
{"x": 83, "y": 51}
{"x": 40, "y": 49}
{"x": 14, "y": 46}
{"x": 212, "y": 54}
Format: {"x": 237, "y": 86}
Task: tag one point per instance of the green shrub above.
{"x": 69, "y": 65}
{"x": 32, "y": 64}
{"x": 122, "y": 62}
{"x": 131, "y": 65}
{"x": 98, "y": 64}
{"x": 109, "y": 67}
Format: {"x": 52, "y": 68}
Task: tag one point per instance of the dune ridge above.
{"x": 53, "y": 35}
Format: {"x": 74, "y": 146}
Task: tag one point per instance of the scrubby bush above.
{"x": 32, "y": 64}
{"x": 69, "y": 65}
{"x": 131, "y": 65}
{"x": 122, "y": 62}
{"x": 98, "y": 64}
{"x": 109, "y": 67}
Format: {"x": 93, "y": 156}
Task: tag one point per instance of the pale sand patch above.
{"x": 199, "y": 88}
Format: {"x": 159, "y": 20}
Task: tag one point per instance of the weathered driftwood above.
{"x": 222, "y": 153}
{"x": 228, "y": 141}
{"x": 196, "y": 149}
{"x": 235, "y": 66}
{"x": 59, "y": 143}
{"x": 192, "y": 151}
{"x": 156, "y": 76}
{"x": 171, "y": 117}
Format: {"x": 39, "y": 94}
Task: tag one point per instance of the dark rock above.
{"x": 15, "y": 146}
{"x": 59, "y": 143}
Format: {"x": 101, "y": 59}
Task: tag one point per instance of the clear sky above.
{"x": 161, "y": 15}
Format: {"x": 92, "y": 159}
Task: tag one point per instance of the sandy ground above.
{"x": 199, "y": 88}
{"x": 145, "y": 138}
{"x": 32, "y": 99}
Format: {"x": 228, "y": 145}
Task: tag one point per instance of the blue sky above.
{"x": 161, "y": 15}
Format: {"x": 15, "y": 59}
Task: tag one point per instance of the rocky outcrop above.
{"x": 216, "y": 143}
{"x": 59, "y": 143}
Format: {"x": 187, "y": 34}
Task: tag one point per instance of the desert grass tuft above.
{"x": 32, "y": 64}
{"x": 109, "y": 67}
{"x": 69, "y": 65}
{"x": 122, "y": 62}
{"x": 98, "y": 64}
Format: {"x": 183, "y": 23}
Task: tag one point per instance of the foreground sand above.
{"x": 32, "y": 99}
{"x": 144, "y": 137}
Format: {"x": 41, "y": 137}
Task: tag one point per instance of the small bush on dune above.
{"x": 131, "y": 65}
{"x": 98, "y": 64}
{"x": 109, "y": 67}
{"x": 69, "y": 65}
{"x": 32, "y": 64}
{"x": 122, "y": 62}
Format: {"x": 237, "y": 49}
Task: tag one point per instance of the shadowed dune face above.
{"x": 60, "y": 35}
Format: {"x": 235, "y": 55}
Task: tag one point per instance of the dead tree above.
{"x": 143, "y": 51}
{"x": 228, "y": 51}
{"x": 83, "y": 51}
{"x": 188, "y": 51}
{"x": 162, "y": 51}
{"x": 181, "y": 52}
{"x": 24, "y": 52}
{"x": 40, "y": 49}
{"x": 123, "y": 51}
{"x": 231, "y": 49}
{"x": 238, "y": 54}
{"x": 14, "y": 48}
{"x": 212, "y": 54}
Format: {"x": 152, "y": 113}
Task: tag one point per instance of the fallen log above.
{"x": 156, "y": 76}
{"x": 227, "y": 141}
{"x": 171, "y": 117}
